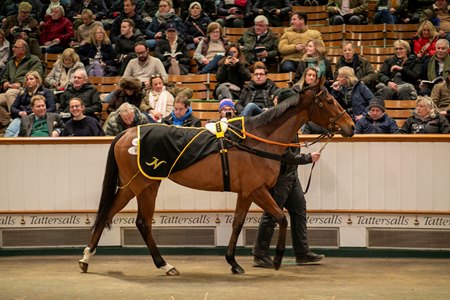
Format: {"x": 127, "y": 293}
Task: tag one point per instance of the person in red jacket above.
{"x": 56, "y": 31}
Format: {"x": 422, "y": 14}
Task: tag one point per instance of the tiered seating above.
{"x": 199, "y": 83}
{"x": 377, "y": 55}
{"x": 205, "y": 111}
{"x": 399, "y": 31}
{"x": 317, "y": 15}
{"x": 365, "y": 35}
{"x": 48, "y": 60}
{"x": 399, "y": 110}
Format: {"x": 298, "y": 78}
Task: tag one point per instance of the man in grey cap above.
{"x": 376, "y": 120}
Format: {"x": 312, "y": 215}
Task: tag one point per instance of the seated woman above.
{"x": 173, "y": 53}
{"x": 98, "y": 54}
{"x": 352, "y": 94}
{"x": 159, "y": 102}
{"x": 130, "y": 90}
{"x": 426, "y": 119}
{"x": 232, "y": 74}
{"x": 83, "y": 32}
{"x": 163, "y": 17}
{"x": 423, "y": 43}
{"x": 63, "y": 69}
{"x": 56, "y": 31}
{"x": 79, "y": 124}
{"x": 315, "y": 57}
{"x": 399, "y": 75}
{"x": 4, "y": 51}
{"x": 196, "y": 24}
{"x": 22, "y": 105}
{"x": 211, "y": 49}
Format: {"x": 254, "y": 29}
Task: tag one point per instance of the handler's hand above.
{"x": 315, "y": 156}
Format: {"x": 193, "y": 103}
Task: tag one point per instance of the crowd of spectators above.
{"x": 143, "y": 41}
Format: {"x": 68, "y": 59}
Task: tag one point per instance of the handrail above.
{"x": 442, "y": 138}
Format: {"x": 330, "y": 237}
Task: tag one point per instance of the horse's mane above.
{"x": 273, "y": 113}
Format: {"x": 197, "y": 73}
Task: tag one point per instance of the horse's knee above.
{"x": 141, "y": 224}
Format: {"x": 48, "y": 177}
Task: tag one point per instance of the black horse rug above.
{"x": 165, "y": 149}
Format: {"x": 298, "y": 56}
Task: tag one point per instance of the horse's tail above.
{"x": 109, "y": 188}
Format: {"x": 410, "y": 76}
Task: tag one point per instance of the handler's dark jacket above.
{"x": 291, "y": 159}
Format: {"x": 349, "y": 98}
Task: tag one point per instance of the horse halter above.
{"x": 332, "y": 120}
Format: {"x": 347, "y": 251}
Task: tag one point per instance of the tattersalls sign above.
{"x": 352, "y": 229}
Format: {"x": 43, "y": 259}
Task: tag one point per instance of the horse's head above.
{"x": 326, "y": 112}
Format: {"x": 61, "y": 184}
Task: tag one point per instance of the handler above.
{"x": 288, "y": 193}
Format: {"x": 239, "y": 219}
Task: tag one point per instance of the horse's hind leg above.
{"x": 146, "y": 209}
{"x": 121, "y": 199}
{"x": 242, "y": 206}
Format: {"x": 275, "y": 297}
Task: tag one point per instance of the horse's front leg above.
{"x": 264, "y": 200}
{"x": 121, "y": 199}
{"x": 242, "y": 206}
{"x": 146, "y": 208}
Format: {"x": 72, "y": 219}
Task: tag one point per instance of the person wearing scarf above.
{"x": 315, "y": 58}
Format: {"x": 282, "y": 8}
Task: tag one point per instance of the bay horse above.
{"x": 251, "y": 176}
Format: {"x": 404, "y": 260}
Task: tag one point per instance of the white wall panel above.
{"x": 359, "y": 175}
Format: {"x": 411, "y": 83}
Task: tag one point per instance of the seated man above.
{"x": 40, "y": 123}
{"x": 14, "y": 75}
{"x": 376, "y": 120}
{"x": 260, "y": 43}
{"x": 441, "y": 96}
{"x": 80, "y": 87}
{"x": 126, "y": 116}
{"x": 144, "y": 65}
{"x": 439, "y": 15}
{"x": 182, "y": 114}
{"x": 15, "y": 24}
{"x": 257, "y": 94}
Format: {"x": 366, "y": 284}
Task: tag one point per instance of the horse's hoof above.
{"x": 276, "y": 265}
{"x": 173, "y": 272}
{"x": 83, "y": 266}
{"x": 237, "y": 270}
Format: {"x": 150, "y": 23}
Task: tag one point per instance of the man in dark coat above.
{"x": 81, "y": 88}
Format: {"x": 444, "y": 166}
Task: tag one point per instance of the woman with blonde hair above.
{"x": 423, "y": 43}
{"x": 315, "y": 57}
{"x": 63, "y": 69}
{"x": 98, "y": 54}
{"x": 351, "y": 93}
{"x": 426, "y": 118}
{"x": 22, "y": 105}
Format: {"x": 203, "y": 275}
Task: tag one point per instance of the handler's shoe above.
{"x": 309, "y": 257}
{"x": 262, "y": 262}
